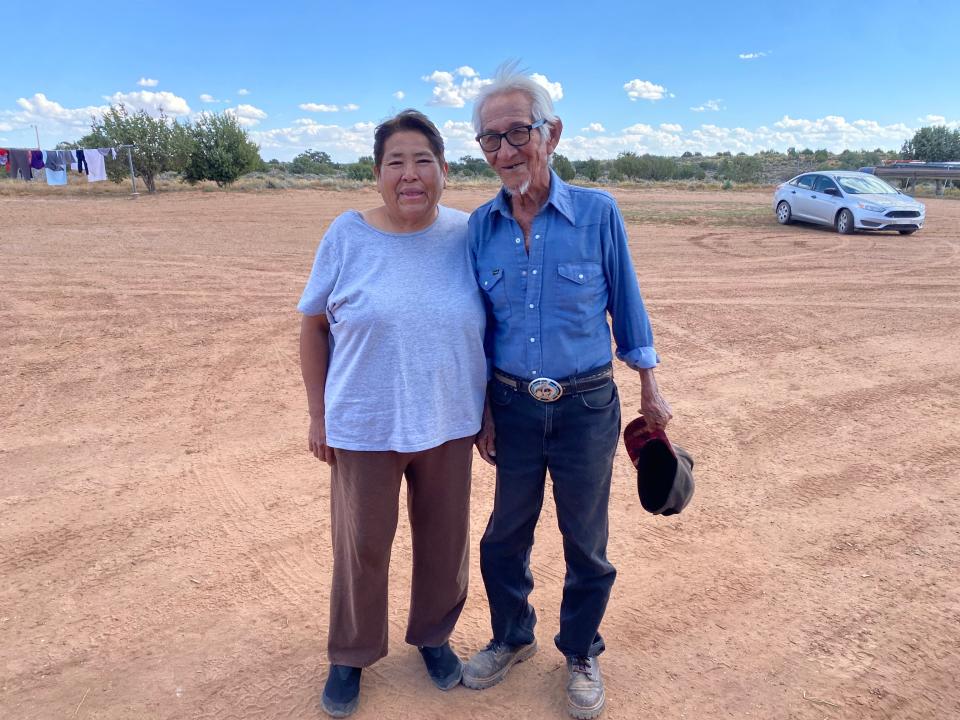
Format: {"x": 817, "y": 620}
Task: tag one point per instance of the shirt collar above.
{"x": 559, "y": 197}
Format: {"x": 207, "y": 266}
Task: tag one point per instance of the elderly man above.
{"x": 552, "y": 261}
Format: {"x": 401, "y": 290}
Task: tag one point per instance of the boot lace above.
{"x": 580, "y": 665}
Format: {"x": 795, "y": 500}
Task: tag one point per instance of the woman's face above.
{"x": 410, "y": 179}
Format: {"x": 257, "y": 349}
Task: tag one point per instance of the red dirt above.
{"x": 164, "y": 535}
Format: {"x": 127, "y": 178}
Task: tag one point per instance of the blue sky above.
{"x": 645, "y": 77}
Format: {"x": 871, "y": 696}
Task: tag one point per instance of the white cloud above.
{"x": 39, "y": 108}
{"x": 752, "y": 55}
{"x": 321, "y": 107}
{"x": 712, "y": 105}
{"x": 593, "y": 127}
{"x": 832, "y": 132}
{"x": 147, "y": 82}
{"x": 938, "y": 120}
{"x": 251, "y": 112}
{"x": 554, "y": 88}
{"x": 399, "y": 95}
{"x": 207, "y": 98}
{"x": 54, "y": 121}
{"x": 318, "y": 107}
{"x": 247, "y": 115}
{"x": 644, "y": 90}
{"x": 449, "y": 91}
{"x": 345, "y": 144}
{"x": 152, "y": 102}
{"x": 243, "y": 91}
{"x": 460, "y": 130}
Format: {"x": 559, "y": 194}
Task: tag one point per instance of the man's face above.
{"x": 521, "y": 169}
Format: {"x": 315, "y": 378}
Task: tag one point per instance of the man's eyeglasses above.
{"x": 518, "y": 137}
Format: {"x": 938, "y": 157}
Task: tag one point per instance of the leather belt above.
{"x": 549, "y": 390}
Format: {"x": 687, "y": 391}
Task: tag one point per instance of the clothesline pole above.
{"x": 38, "y": 136}
{"x": 133, "y": 175}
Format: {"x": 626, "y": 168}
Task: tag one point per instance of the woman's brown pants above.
{"x": 364, "y": 503}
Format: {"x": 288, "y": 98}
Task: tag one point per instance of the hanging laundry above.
{"x": 19, "y": 164}
{"x": 81, "y": 164}
{"x": 95, "y": 161}
{"x": 36, "y": 159}
{"x": 108, "y": 152}
{"x": 4, "y": 156}
{"x": 56, "y": 167}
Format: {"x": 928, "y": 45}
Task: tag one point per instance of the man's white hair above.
{"x": 508, "y": 78}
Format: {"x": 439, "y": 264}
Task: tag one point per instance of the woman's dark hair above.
{"x": 409, "y": 119}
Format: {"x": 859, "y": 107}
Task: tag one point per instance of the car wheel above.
{"x": 906, "y": 232}
{"x": 783, "y": 212}
{"x": 845, "y": 222}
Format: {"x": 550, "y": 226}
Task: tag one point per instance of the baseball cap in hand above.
{"x": 664, "y": 470}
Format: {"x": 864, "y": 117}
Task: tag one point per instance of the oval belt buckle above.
{"x": 545, "y": 389}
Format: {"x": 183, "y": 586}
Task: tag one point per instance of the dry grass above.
{"x": 273, "y": 180}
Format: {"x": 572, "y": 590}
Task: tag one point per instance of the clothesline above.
{"x": 21, "y": 162}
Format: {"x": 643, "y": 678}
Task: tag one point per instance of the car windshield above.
{"x": 865, "y": 185}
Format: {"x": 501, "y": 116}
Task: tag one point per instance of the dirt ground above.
{"x": 164, "y": 535}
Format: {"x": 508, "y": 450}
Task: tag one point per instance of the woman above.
{"x": 391, "y": 350}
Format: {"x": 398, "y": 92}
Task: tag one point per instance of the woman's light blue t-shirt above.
{"x": 407, "y": 370}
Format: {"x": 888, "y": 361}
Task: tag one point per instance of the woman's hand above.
{"x": 653, "y": 405}
{"x": 317, "y": 441}
{"x": 486, "y": 438}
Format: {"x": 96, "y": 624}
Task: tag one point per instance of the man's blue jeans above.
{"x": 575, "y": 438}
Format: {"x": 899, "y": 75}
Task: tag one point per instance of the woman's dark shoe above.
{"x": 443, "y": 666}
{"x": 341, "y": 694}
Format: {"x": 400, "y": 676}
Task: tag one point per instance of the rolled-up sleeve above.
{"x": 631, "y": 324}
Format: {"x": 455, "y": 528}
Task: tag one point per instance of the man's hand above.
{"x": 653, "y": 405}
{"x": 317, "y": 441}
{"x": 486, "y": 438}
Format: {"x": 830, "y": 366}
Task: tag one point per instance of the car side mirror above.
{"x": 832, "y": 191}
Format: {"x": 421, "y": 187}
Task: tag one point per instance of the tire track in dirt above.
{"x": 224, "y": 473}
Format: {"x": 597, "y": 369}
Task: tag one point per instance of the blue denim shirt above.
{"x": 547, "y": 311}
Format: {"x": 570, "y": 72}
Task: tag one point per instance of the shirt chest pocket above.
{"x": 495, "y": 290}
{"x": 581, "y": 288}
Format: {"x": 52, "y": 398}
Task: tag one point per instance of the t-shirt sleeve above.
{"x": 323, "y": 276}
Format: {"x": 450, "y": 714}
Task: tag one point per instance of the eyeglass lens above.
{"x": 517, "y": 137}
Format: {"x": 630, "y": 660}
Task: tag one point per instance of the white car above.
{"x": 848, "y": 201}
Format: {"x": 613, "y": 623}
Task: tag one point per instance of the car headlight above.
{"x": 871, "y": 208}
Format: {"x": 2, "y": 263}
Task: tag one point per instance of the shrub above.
{"x": 221, "y": 151}
{"x": 563, "y": 167}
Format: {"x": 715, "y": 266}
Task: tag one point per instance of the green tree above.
{"x": 563, "y": 167}
{"x": 741, "y": 169}
{"x": 362, "y": 169}
{"x": 690, "y": 172}
{"x": 647, "y": 167}
{"x": 936, "y": 143}
{"x": 469, "y": 166}
{"x": 312, "y": 162}
{"x": 221, "y": 150}
{"x": 590, "y": 169}
{"x": 627, "y": 165}
{"x": 154, "y": 139}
